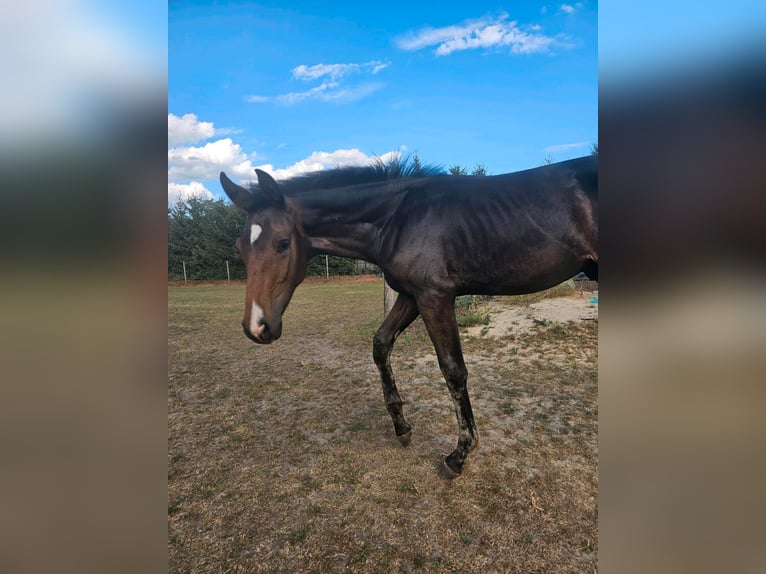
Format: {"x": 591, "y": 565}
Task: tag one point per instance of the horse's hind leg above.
{"x": 439, "y": 316}
{"x": 399, "y": 318}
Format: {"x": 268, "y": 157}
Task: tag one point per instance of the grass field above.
{"x": 282, "y": 458}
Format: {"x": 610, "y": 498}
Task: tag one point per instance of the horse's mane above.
{"x": 377, "y": 171}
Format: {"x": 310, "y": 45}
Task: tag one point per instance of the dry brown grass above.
{"x": 282, "y": 458}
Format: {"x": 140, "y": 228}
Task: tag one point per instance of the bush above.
{"x": 471, "y": 310}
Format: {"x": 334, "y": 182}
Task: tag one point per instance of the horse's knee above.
{"x": 456, "y": 375}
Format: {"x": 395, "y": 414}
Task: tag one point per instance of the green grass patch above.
{"x": 471, "y": 310}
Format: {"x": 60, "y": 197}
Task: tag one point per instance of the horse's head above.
{"x": 275, "y": 253}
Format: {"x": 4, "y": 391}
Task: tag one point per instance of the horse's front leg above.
{"x": 439, "y": 316}
{"x": 399, "y": 318}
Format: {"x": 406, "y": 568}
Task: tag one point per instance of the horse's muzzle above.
{"x": 265, "y": 335}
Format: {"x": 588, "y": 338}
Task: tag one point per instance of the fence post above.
{"x": 228, "y": 277}
{"x": 184, "y": 264}
{"x": 327, "y": 266}
{"x": 389, "y": 297}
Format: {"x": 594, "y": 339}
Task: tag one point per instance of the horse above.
{"x": 435, "y": 237}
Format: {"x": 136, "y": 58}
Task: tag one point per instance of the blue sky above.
{"x": 295, "y": 86}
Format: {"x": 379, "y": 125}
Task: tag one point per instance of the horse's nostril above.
{"x": 261, "y": 334}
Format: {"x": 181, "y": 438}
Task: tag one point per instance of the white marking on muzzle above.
{"x": 256, "y": 314}
{"x": 255, "y": 232}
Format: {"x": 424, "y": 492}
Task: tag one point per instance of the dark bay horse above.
{"x": 434, "y": 237}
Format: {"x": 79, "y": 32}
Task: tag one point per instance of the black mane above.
{"x": 356, "y": 175}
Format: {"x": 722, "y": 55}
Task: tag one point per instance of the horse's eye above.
{"x": 283, "y": 246}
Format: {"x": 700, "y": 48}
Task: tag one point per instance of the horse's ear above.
{"x": 269, "y": 187}
{"x": 238, "y": 194}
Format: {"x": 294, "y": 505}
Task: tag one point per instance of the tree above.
{"x": 179, "y": 240}
{"x": 202, "y": 233}
{"x": 479, "y": 169}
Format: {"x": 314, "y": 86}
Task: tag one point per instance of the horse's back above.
{"x": 513, "y": 233}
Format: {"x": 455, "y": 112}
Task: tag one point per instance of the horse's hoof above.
{"x": 405, "y": 438}
{"x": 447, "y": 472}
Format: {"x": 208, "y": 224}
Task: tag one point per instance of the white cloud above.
{"x": 483, "y": 33}
{"x": 380, "y": 66}
{"x": 257, "y": 99}
{"x": 295, "y": 97}
{"x": 321, "y": 160}
{"x": 565, "y": 147}
{"x": 331, "y": 89}
{"x": 569, "y": 8}
{"x": 336, "y": 71}
{"x": 181, "y": 192}
{"x": 205, "y": 162}
{"x": 352, "y": 94}
{"x": 191, "y": 165}
{"x": 188, "y": 129}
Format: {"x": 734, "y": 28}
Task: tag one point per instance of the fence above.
{"x": 319, "y": 266}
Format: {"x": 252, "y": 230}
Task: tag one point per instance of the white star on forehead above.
{"x": 255, "y": 232}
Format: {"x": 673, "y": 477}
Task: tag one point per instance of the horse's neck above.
{"x": 348, "y": 223}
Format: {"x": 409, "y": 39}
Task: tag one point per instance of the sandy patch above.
{"x": 505, "y": 319}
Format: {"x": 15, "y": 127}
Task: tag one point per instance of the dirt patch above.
{"x": 505, "y": 319}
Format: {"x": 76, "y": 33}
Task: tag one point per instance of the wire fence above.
{"x": 321, "y": 266}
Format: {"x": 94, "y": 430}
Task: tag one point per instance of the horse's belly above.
{"x": 516, "y": 276}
